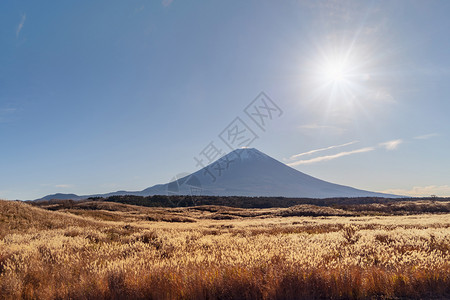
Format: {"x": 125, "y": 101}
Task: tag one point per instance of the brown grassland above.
{"x": 105, "y": 250}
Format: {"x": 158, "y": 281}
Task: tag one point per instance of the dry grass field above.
{"x": 103, "y": 250}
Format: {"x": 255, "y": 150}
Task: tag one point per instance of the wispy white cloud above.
{"x": 321, "y": 149}
{"x": 391, "y": 145}
{"x": 63, "y": 186}
{"x": 314, "y": 126}
{"x": 20, "y": 26}
{"x": 167, "y": 2}
{"x": 9, "y": 110}
{"x": 139, "y": 9}
{"x": 382, "y": 95}
{"x": 331, "y": 157}
{"x": 426, "y": 136}
{"x": 2, "y": 193}
{"x": 5, "y": 114}
{"x": 422, "y": 191}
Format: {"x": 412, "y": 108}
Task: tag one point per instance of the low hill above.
{"x": 182, "y": 209}
{"x": 19, "y": 217}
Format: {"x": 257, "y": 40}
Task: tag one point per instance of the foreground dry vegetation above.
{"x": 100, "y": 250}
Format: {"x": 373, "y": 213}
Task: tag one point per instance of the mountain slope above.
{"x": 248, "y": 172}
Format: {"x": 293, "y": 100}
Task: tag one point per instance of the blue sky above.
{"x": 121, "y": 95}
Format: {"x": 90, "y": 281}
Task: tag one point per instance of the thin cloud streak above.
{"x": 166, "y": 2}
{"x": 315, "y": 126}
{"x": 331, "y": 157}
{"x": 6, "y": 113}
{"x": 391, "y": 145}
{"x": 321, "y": 149}
{"x": 20, "y": 26}
{"x": 63, "y": 186}
{"x": 422, "y": 191}
{"x": 426, "y": 136}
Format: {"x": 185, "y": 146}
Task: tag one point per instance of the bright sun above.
{"x": 335, "y": 71}
{"x": 338, "y": 78}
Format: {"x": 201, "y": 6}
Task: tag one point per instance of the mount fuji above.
{"x": 244, "y": 172}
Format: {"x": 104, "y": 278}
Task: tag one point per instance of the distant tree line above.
{"x": 249, "y": 202}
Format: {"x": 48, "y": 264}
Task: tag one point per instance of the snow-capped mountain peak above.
{"x": 244, "y": 154}
{"x": 249, "y": 172}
